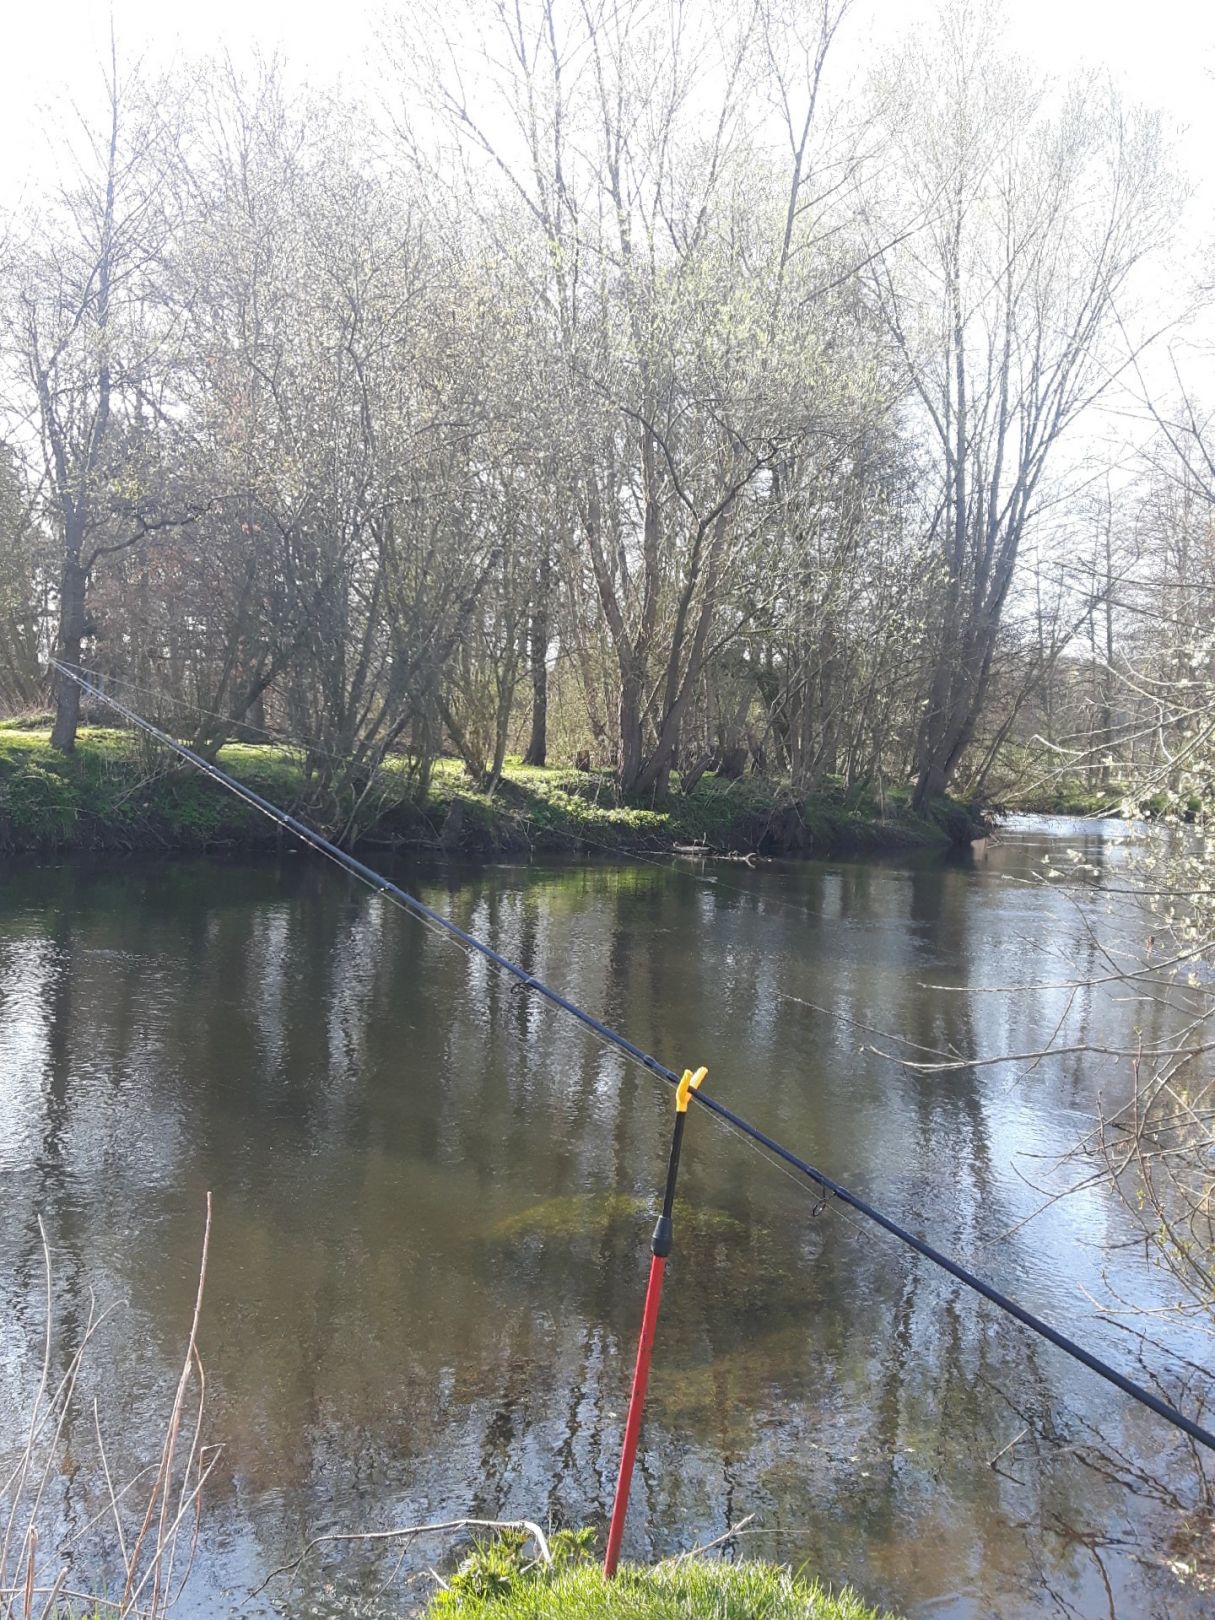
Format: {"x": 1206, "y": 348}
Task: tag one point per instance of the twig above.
{"x": 1015, "y": 1441}
{"x": 410, "y": 1530}
{"x": 718, "y": 1541}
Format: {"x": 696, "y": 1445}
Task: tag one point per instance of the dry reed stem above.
{"x": 163, "y": 1482}
{"x": 26, "y": 1593}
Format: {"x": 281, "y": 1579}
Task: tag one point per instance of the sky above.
{"x": 1162, "y": 51}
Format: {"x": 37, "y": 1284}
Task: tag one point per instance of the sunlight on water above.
{"x": 432, "y": 1207}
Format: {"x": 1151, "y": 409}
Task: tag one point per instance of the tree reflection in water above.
{"x": 431, "y": 1208}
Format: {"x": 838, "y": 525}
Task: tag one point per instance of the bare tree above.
{"x": 87, "y": 324}
{"x": 1039, "y": 203}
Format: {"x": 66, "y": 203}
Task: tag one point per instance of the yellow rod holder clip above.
{"x": 683, "y": 1092}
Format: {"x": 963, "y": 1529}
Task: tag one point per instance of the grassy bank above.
{"x": 501, "y": 1579}
{"x": 1067, "y": 797}
{"x": 116, "y": 793}
{"x": 709, "y": 1591}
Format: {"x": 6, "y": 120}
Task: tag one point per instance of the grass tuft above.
{"x": 687, "y": 1591}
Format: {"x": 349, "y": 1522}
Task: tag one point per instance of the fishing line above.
{"x": 606, "y": 1034}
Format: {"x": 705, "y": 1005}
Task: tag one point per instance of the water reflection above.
{"x": 428, "y": 1252}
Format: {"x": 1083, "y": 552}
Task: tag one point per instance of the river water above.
{"x": 431, "y": 1228}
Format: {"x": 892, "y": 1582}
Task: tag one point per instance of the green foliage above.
{"x": 36, "y": 720}
{"x": 503, "y": 1580}
{"x": 108, "y": 794}
{"x": 35, "y": 796}
{"x": 502, "y": 1565}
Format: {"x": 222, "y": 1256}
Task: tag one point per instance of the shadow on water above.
{"x": 432, "y": 1207}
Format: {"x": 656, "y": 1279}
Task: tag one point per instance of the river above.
{"x": 430, "y": 1228}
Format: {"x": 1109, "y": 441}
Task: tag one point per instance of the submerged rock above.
{"x": 578, "y": 1217}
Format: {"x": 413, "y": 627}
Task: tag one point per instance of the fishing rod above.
{"x": 660, "y": 1251}
{"x": 604, "y": 1032}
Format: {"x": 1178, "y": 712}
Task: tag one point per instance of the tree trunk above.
{"x": 957, "y": 699}
{"x": 537, "y": 748}
{"x": 71, "y": 635}
{"x": 631, "y": 751}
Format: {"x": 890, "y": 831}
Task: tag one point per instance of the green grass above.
{"x": 687, "y": 1591}
{"x": 116, "y": 792}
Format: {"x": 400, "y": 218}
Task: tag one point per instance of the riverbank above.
{"x": 115, "y": 793}
{"x": 689, "y": 1591}
{"x": 1116, "y": 801}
